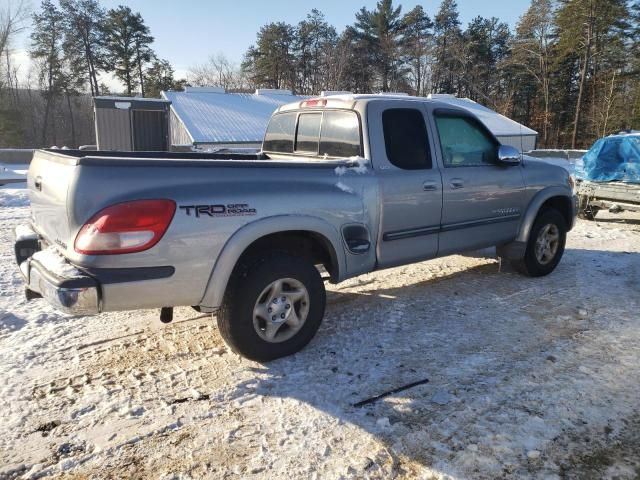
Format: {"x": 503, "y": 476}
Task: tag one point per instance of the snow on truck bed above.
{"x": 515, "y": 378}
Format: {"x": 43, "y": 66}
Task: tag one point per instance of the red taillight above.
{"x": 126, "y": 227}
{"x": 316, "y": 102}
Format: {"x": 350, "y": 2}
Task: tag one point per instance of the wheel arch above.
{"x": 560, "y": 198}
{"x": 314, "y": 235}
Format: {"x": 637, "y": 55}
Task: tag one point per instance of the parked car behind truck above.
{"x": 352, "y": 183}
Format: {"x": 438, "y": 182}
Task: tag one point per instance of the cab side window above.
{"x": 464, "y": 142}
{"x": 405, "y": 138}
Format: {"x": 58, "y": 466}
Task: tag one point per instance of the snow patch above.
{"x": 24, "y": 232}
{"x": 345, "y": 188}
{"x": 51, "y": 260}
{"x": 361, "y": 166}
{"x": 14, "y": 197}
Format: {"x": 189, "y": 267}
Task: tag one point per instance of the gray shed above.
{"x": 132, "y": 124}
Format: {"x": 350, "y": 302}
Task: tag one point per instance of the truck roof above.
{"x": 499, "y": 124}
{"x": 349, "y": 100}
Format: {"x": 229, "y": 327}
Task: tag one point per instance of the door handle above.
{"x": 429, "y": 186}
{"x": 456, "y": 183}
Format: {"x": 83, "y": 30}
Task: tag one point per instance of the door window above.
{"x": 464, "y": 142}
{"x": 405, "y": 138}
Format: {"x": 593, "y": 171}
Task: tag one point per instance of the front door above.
{"x": 410, "y": 183}
{"x": 482, "y": 199}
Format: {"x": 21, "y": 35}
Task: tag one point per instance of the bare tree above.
{"x": 13, "y": 16}
{"x": 218, "y": 71}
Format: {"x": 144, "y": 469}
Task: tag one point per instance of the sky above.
{"x": 189, "y": 31}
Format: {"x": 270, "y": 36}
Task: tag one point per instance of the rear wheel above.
{"x": 273, "y": 307}
{"x": 545, "y": 246}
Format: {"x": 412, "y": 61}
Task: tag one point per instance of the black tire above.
{"x": 530, "y": 265}
{"x": 589, "y": 213}
{"x": 586, "y": 211}
{"x": 236, "y": 316}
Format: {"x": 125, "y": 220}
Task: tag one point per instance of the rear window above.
{"x": 331, "y": 133}
{"x": 340, "y": 135}
{"x": 308, "y": 135}
{"x": 279, "y": 136}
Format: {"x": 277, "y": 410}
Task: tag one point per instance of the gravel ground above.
{"x": 527, "y": 378}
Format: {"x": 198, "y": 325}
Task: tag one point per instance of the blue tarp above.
{"x": 611, "y": 159}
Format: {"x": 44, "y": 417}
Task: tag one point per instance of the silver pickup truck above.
{"x": 343, "y": 185}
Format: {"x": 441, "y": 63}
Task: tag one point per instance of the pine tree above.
{"x": 46, "y": 49}
{"x": 314, "y": 43}
{"x": 83, "y": 29}
{"x": 417, "y": 46}
{"x": 382, "y": 29}
{"x": 448, "y": 38}
{"x": 128, "y": 45}
{"x": 144, "y": 52}
{"x": 159, "y": 77}
{"x": 270, "y": 62}
{"x": 633, "y": 92}
{"x": 487, "y": 42}
{"x": 585, "y": 27}
{"x": 351, "y": 66}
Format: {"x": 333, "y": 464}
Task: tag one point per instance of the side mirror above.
{"x": 509, "y": 155}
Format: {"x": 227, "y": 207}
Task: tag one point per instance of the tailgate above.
{"x": 49, "y": 177}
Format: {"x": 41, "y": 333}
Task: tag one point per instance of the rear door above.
{"x": 410, "y": 182}
{"x": 482, "y": 200}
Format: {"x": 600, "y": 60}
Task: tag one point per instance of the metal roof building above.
{"x": 206, "y": 117}
{"x": 210, "y": 117}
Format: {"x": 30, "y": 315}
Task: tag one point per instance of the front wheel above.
{"x": 273, "y": 307}
{"x": 545, "y": 246}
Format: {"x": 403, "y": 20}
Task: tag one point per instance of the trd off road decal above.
{"x": 229, "y": 210}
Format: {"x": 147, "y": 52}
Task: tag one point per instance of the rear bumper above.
{"x": 79, "y": 295}
{"x": 83, "y": 290}
{"x": 74, "y": 292}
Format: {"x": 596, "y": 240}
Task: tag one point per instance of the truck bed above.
{"x": 69, "y": 155}
{"x": 68, "y": 187}
{"x": 184, "y": 160}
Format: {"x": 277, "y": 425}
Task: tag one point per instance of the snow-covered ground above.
{"x": 11, "y": 174}
{"x": 527, "y": 378}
